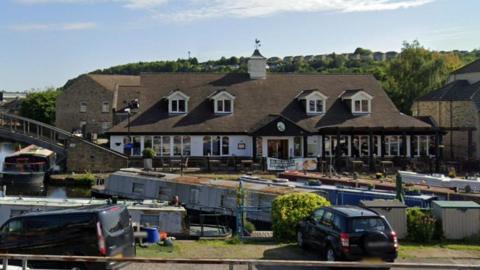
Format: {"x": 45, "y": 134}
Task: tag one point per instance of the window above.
{"x": 157, "y": 145}
{"x": 207, "y": 145}
{"x": 178, "y": 106}
{"x": 138, "y": 188}
{"x": 105, "y": 107}
{"x": 177, "y": 145}
{"x": 368, "y": 224}
{"x": 186, "y": 146}
{"x": 225, "y": 145}
{"x": 392, "y": 145}
{"x": 83, "y": 107}
{"x": 166, "y": 146}
{"x": 297, "y": 146}
{"x": 315, "y": 106}
{"x": 327, "y": 219}
{"x": 360, "y": 146}
{"x": 317, "y": 215}
{"x": 313, "y": 148}
{"x": 106, "y": 126}
{"x": 216, "y": 145}
{"x": 361, "y": 106}
{"x": 147, "y": 142}
{"x": 223, "y": 106}
{"x": 136, "y": 146}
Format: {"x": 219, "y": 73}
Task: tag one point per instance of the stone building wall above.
{"x": 456, "y": 115}
{"x": 84, "y": 89}
{"x": 85, "y": 156}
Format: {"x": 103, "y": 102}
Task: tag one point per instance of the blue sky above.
{"x": 46, "y": 42}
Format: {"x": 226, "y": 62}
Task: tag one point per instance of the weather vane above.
{"x": 257, "y": 44}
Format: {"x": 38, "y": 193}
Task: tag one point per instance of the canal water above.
{"x": 50, "y": 191}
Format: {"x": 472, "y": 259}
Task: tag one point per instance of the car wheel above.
{"x": 330, "y": 255}
{"x": 300, "y": 241}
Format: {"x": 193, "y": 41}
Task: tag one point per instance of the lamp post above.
{"x": 133, "y": 104}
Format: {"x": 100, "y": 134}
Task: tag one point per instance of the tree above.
{"x": 415, "y": 72}
{"x": 289, "y": 209}
{"x": 40, "y": 106}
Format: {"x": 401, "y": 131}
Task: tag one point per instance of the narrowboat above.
{"x": 29, "y": 165}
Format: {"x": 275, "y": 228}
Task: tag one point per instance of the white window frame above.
{"x": 171, "y": 145}
{"x": 315, "y": 111}
{"x": 177, "y": 96}
{"x": 369, "y": 109}
{"x": 388, "y": 143}
{"x": 223, "y": 111}
{"x": 83, "y": 107}
{"x": 105, "y": 107}
{"x": 221, "y": 145}
{"x": 314, "y": 96}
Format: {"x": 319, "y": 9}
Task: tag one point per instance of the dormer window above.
{"x": 359, "y": 101}
{"x": 314, "y": 101}
{"x": 177, "y": 102}
{"x": 222, "y": 101}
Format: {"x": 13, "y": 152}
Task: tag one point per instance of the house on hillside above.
{"x": 87, "y": 104}
{"x": 455, "y": 107}
{"x": 266, "y": 115}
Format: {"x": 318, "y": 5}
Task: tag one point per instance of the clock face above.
{"x": 281, "y": 126}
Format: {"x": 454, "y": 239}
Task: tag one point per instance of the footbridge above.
{"x": 76, "y": 153}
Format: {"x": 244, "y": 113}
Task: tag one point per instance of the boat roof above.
{"x": 87, "y": 209}
{"x": 34, "y": 151}
{"x": 151, "y": 205}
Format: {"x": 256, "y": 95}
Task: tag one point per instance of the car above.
{"x": 104, "y": 230}
{"x": 348, "y": 233}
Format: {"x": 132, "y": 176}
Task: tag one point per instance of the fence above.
{"x": 230, "y": 262}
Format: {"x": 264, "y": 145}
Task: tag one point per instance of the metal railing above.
{"x": 229, "y": 262}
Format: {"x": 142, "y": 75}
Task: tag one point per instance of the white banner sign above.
{"x": 301, "y": 164}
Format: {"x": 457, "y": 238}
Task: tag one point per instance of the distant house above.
{"x": 88, "y": 103}
{"x": 288, "y": 59}
{"x": 264, "y": 115}
{"x": 298, "y": 58}
{"x": 379, "y": 56}
{"x": 10, "y": 102}
{"x": 9, "y": 96}
{"x": 391, "y": 55}
{"x": 309, "y": 58}
{"x": 456, "y": 108}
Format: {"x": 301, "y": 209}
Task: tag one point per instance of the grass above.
{"x": 231, "y": 176}
{"x": 231, "y": 249}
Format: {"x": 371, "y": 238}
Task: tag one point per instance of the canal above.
{"x": 47, "y": 190}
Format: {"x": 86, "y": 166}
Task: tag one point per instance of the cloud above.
{"x": 52, "y": 27}
{"x": 188, "y": 10}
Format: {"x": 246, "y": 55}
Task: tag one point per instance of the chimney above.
{"x": 257, "y": 66}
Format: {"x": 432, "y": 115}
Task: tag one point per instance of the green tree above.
{"x": 40, "y": 106}
{"x": 415, "y": 72}
{"x": 289, "y": 209}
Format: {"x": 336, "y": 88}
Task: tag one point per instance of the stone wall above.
{"x": 459, "y": 115}
{"x": 85, "y": 156}
{"x": 84, "y": 89}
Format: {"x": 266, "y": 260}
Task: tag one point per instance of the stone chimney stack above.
{"x": 257, "y": 66}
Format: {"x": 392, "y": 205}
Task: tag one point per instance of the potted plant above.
{"x": 148, "y": 155}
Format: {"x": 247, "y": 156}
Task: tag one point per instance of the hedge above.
{"x": 289, "y": 209}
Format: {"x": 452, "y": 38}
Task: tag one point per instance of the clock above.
{"x": 281, "y": 126}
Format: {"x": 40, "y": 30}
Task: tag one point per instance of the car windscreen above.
{"x": 115, "y": 219}
{"x": 363, "y": 224}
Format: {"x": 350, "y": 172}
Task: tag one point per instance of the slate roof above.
{"x": 458, "y": 90}
{"x": 469, "y": 68}
{"x": 256, "y": 101}
{"x": 110, "y": 82}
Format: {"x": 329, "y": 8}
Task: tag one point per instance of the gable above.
{"x": 275, "y": 125}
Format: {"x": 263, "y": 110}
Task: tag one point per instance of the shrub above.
{"x": 422, "y": 226}
{"x": 248, "y": 226}
{"x": 87, "y": 179}
{"x": 149, "y": 153}
{"x": 289, "y": 209}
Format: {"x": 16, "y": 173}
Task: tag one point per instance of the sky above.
{"x": 43, "y": 43}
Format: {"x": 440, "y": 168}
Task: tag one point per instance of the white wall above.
{"x": 116, "y": 143}
{"x": 235, "y": 140}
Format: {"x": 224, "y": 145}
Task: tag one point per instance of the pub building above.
{"x": 257, "y": 115}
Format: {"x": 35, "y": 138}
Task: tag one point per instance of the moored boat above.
{"x": 28, "y": 166}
